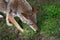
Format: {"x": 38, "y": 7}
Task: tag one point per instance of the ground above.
{"x": 48, "y": 21}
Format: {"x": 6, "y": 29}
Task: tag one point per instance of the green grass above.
{"x": 50, "y": 19}
{"x": 48, "y": 22}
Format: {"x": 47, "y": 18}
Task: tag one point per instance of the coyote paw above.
{"x": 9, "y": 24}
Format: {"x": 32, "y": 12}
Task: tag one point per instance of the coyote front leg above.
{"x": 7, "y": 21}
{"x": 11, "y": 18}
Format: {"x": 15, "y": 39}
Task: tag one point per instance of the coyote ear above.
{"x": 34, "y": 10}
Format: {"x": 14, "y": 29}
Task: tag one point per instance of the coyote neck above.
{"x": 24, "y": 6}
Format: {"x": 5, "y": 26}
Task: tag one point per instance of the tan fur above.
{"x": 15, "y": 23}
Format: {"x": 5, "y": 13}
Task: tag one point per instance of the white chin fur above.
{"x": 33, "y": 28}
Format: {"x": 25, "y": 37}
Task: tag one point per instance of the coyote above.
{"x": 21, "y": 9}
